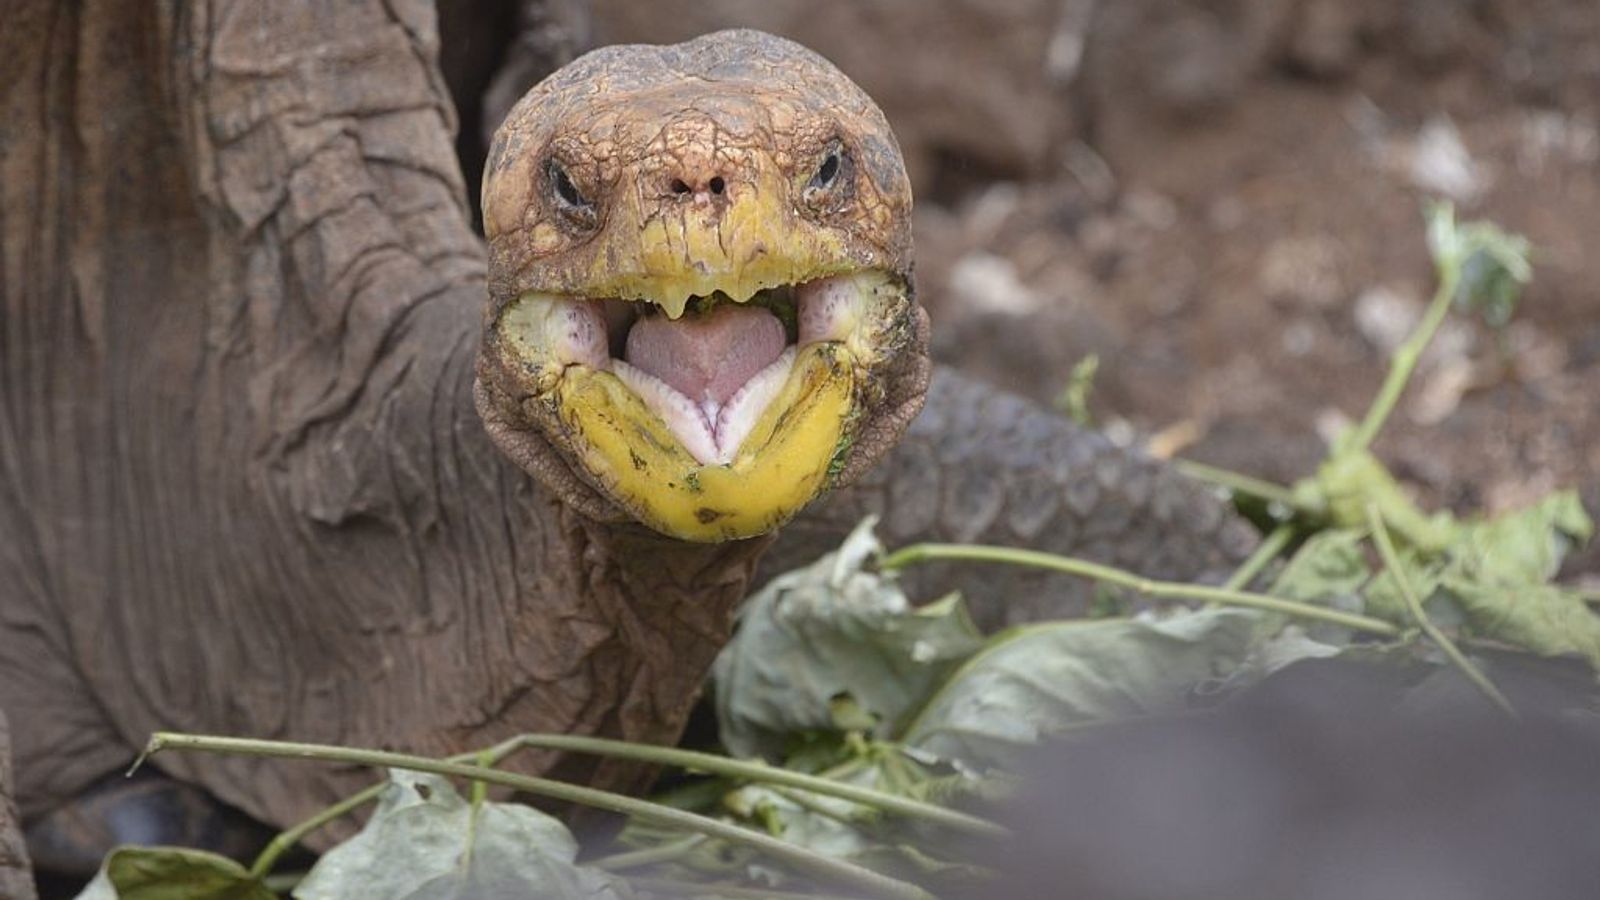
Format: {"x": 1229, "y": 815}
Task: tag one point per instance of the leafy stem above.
{"x": 1248, "y": 485}
{"x": 1405, "y": 360}
{"x": 294, "y": 834}
{"x": 1265, "y": 552}
{"x": 673, "y": 888}
{"x": 706, "y": 762}
{"x": 1479, "y": 266}
{"x": 1391, "y": 560}
{"x": 649, "y": 856}
{"x": 1168, "y": 590}
{"x": 802, "y": 859}
{"x": 279, "y": 845}
{"x": 757, "y": 772}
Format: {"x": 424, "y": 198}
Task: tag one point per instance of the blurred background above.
{"x": 1219, "y": 198}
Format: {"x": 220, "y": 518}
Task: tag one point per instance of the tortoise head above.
{"x": 701, "y": 308}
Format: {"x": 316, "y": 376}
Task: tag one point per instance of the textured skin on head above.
{"x": 639, "y": 131}
{"x": 626, "y": 121}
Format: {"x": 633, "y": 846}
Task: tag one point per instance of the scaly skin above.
{"x": 981, "y": 466}
{"x": 244, "y": 487}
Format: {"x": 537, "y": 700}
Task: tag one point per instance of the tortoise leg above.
{"x": 148, "y": 808}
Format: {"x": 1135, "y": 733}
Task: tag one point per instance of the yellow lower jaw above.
{"x": 780, "y": 467}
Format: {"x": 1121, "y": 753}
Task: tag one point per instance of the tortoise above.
{"x": 287, "y": 450}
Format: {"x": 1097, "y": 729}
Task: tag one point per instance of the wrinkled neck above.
{"x": 670, "y": 607}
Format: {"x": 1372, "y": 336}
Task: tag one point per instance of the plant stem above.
{"x": 633, "y": 859}
{"x": 1265, "y": 552}
{"x": 1160, "y": 589}
{"x": 283, "y": 884}
{"x": 756, "y": 772}
{"x": 815, "y": 808}
{"x": 673, "y": 888}
{"x": 294, "y": 834}
{"x": 268, "y": 857}
{"x": 805, "y": 860}
{"x": 1243, "y": 484}
{"x": 1405, "y": 360}
{"x": 1391, "y": 560}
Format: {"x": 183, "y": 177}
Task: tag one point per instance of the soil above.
{"x": 1223, "y": 201}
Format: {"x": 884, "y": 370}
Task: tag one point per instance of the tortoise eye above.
{"x": 565, "y": 190}
{"x": 828, "y": 171}
{"x": 829, "y": 187}
{"x": 568, "y": 199}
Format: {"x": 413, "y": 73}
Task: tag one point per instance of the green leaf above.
{"x": 1350, "y": 480}
{"x": 1329, "y": 565}
{"x": 1422, "y": 569}
{"x": 1291, "y": 645}
{"x": 1032, "y": 681}
{"x": 424, "y": 843}
{"x": 1074, "y": 398}
{"x": 1546, "y": 619}
{"x": 833, "y": 646}
{"x": 1523, "y": 547}
{"x": 1498, "y": 572}
{"x": 172, "y": 873}
{"x": 1493, "y": 263}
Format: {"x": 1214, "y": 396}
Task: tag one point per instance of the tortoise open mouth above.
{"x": 721, "y": 420}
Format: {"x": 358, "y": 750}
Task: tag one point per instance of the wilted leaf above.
{"x": 832, "y": 646}
{"x": 1328, "y": 570}
{"x": 1422, "y": 570}
{"x": 172, "y": 873}
{"x": 417, "y": 844}
{"x": 1329, "y": 565}
{"x": 1543, "y": 618}
{"x": 1524, "y": 547}
{"x": 1493, "y": 578}
{"x": 1035, "y": 680}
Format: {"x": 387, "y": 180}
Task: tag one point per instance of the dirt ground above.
{"x": 1223, "y": 201}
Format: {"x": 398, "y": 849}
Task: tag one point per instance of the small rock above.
{"x": 1300, "y": 338}
{"x": 1441, "y": 164}
{"x": 989, "y": 283}
{"x": 1331, "y": 422}
{"x": 1385, "y": 315}
{"x": 1151, "y": 209}
{"x": 1305, "y": 271}
{"x": 1441, "y": 392}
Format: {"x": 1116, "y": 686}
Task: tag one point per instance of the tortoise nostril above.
{"x": 679, "y": 187}
{"x": 717, "y": 185}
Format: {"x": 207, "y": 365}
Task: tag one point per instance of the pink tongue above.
{"x": 708, "y": 357}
